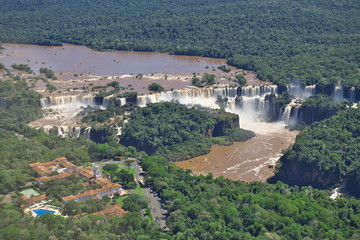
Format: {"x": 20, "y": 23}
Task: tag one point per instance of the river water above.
{"x": 78, "y": 67}
{"x": 81, "y": 67}
{"x": 246, "y": 161}
{"x": 82, "y": 60}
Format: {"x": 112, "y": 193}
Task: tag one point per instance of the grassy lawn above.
{"x": 120, "y": 200}
{"x": 130, "y": 170}
{"x": 138, "y": 190}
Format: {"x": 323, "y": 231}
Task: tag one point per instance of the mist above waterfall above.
{"x": 299, "y": 91}
{"x": 248, "y": 102}
{"x": 61, "y": 114}
{"x": 254, "y": 104}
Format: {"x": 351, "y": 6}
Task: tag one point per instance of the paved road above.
{"x": 156, "y": 210}
{"x": 158, "y": 213}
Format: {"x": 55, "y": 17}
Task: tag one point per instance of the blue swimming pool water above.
{"x": 41, "y": 212}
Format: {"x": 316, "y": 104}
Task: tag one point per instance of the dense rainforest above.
{"x": 18, "y": 104}
{"x": 304, "y": 42}
{"x": 199, "y": 207}
{"x": 204, "y": 207}
{"x": 21, "y": 145}
{"x": 325, "y": 154}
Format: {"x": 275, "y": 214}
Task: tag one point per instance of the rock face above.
{"x": 102, "y": 134}
{"x": 224, "y": 121}
{"x": 325, "y": 155}
{"x": 352, "y": 184}
{"x": 303, "y": 174}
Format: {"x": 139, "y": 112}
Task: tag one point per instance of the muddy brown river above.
{"x": 82, "y": 60}
{"x": 78, "y": 67}
{"x": 247, "y": 161}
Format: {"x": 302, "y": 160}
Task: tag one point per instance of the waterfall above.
{"x": 294, "y": 115}
{"x": 310, "y": 91}
{"x": 87, "y": 132}
{"x": 76, "y": 131}
{"x": 338, "y": 92}
{"x": 258, "y": 90}
{"x": 61, "y": 131}
{"x": 280, "y": 113}
{"x": 352, "y": 94}
{"x": 299, "y": 91}
{"x": 122, "y": 101}
{"x": 289, "y": 113}
{"x": 105, "y": 102}
{"x": 248, "y": 94}
{"x": 286, "y": 114}
{"x": 249, "y": 99}
{"x": 45, "y": 102}
{"x": 232, "y": 104}
{"x": 68, "y": 101}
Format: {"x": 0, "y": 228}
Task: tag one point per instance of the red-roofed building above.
{"x": 32, "y": 200}
{"x": 62, "y": 175}
{"x": 112, "y": 211}
{"x": 58, "y": 165}
{"x": 97, "y": 193}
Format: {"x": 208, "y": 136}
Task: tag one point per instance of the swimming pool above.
{"x": 41, "y": 212}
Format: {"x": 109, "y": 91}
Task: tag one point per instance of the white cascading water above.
{"x": 105, "y": 103}
{"x": 295, "y": 118}
{"x": 352, "y": 94}
{"x": 285, "y": 117}
{"x": 338, "y": 93}
{"x": 61, "y": 111}
{"x": 76, "y": 131}
{"x": 299, "y": 91}
{"x": 251, "y": 95}
{"x": 289, "y": 113}
{"x": 68, "y": 100}
{"x": 123, "y": 101}
{"x": 87, "y": 132}
{"x": 251, "y": 102}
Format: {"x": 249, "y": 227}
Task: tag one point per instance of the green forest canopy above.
{"x": 331, "y": 146}
{"x": 203, "y": 207}
{"x": 199, "y": 206}
{"x": 301, "y": 41}
{"x": 176, "y": 132}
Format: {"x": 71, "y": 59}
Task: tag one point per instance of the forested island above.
{"x": 176, "y": 133}
{"x": 285, "y": 42}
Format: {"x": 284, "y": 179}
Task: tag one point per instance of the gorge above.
{"x": 255, "y": 103}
